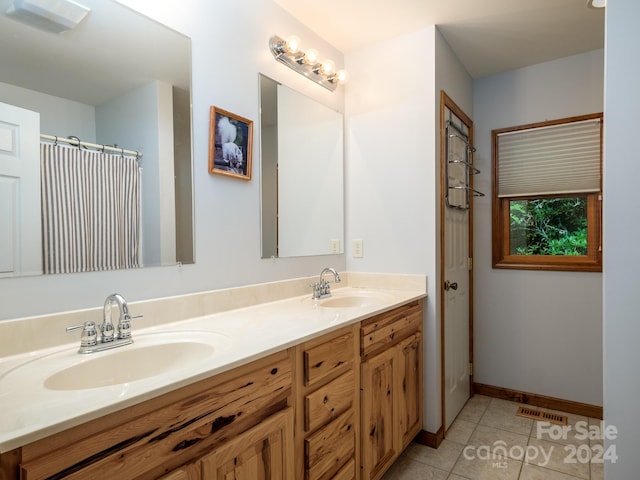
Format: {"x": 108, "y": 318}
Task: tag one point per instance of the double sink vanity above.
{"x": 255, "y": 382}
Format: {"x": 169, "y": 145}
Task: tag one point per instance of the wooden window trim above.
{"x": 501, "y": 257}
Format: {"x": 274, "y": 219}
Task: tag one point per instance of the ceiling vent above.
{"x": 51, "y": 15}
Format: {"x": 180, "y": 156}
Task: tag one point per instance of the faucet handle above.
{"x": 107, "y": 330}
{"x": 317, "y": 290}
{"x": 89, "y": 336}
{"x": 124, "y": 325}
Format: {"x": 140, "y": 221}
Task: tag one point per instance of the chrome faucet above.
{"x": 322, "y": 288}
{"x": 90, "y": 342}
{"x": 124, "y": 321}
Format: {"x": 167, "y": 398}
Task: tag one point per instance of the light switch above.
{"x": 358, "y": 251}
{"x": 335, "y": 245}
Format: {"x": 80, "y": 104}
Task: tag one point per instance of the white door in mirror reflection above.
{"x": 20, "y": 228}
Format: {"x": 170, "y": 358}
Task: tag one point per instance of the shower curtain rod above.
{"x": 78, "y": 143}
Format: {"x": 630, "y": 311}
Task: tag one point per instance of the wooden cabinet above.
{"x": 379, "y": 447}
{"x": 263, "y": 452}
{"x": 169, "y": 435}
{"x": 327, "y": 400}
{"x": 410, "y": 388}
{"x": 187, "y": 472}
{"x": 391, "y": 386}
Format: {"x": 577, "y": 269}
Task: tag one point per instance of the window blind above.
{"x": 554, "y": 159}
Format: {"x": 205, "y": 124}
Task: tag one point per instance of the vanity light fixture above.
{"x": 306, "y": 63}
{"x": 52, "y": 15}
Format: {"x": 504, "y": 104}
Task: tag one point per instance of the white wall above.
{"x": 58, "y": 116}
{"x": 538, "y": 332}
{"x": 392, "y": 178}
{"x": 230, "y": 47}
{"x": 390, "y": 170}
{"x": 622, "y": 230}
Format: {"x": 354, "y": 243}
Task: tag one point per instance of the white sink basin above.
{"x": 355, "y": 300}
{"x": 150, "y": 355}
{"x": 128, "y": 365}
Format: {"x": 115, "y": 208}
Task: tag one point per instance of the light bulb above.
{"x": 311, "y": 56}
{"x": 292, "y": 44}
{"x": 341, "y": 76}
{"x": 327, "y": 67}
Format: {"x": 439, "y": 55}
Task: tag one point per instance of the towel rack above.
{"x": 459, "y": 168}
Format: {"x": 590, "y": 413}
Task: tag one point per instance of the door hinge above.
{"x": 470, "y": 263}
{"x": 470, "y": 369}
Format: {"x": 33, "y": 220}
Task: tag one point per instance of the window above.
{"x": 547, "y": 195}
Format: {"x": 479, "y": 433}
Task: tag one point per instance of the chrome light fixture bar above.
{"x": 306, "y": 63}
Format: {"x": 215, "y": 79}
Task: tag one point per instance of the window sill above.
{"x": 551, "y": 263}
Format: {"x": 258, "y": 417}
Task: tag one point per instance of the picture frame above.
{"x": 230, "y": 144}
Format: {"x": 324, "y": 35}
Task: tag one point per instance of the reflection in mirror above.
{"x": 117, "y": 78}
{"x": 302, "y": 174}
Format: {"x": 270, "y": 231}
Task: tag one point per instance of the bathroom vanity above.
{"x": 342, "y": 402}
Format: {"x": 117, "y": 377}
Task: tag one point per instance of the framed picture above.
{"x": 230, "y": 142}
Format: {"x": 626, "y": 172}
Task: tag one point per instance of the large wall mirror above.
{"x": 117, "y": 78}
{"x": 302, "y": 174}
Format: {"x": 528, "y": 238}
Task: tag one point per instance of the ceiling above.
{"x": 76, "y": 65}
{"x": 488, "y": 36}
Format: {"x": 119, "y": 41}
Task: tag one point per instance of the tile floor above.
{"x": 488, "y": 441}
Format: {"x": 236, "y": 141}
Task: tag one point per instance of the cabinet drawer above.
{"x": 188, "y": 472}
{"x": 326, "y": 359}
{"x": 331, "y": 447}
{"x": 348, "y": 472}
{"x": 388, "y": 328}
{"x": 328, "y": 401}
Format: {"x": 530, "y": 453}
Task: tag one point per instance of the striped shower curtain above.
{"x": 91, "y": 210}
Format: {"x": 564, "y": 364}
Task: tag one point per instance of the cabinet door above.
{"x": 187, "y": 472}
{"x": 264, "y": 452}
{"x": 409, "y": 388}
{"x": 377, "y": 408}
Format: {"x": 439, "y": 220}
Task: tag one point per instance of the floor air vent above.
{"x": 556, "y": 418}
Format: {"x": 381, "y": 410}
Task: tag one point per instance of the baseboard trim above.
{"x": 429, "y": 439}
{"x": 536, "y": 400}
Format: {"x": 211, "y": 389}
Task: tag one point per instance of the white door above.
{"x": 456, "y": 313}
{"x": 20, "y": 222}
{"x": 456, "y": 264}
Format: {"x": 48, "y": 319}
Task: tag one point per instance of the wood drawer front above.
{"x": 326, "y": 359}
{"x": 188, "y": 472}
{"x": 164, "y": 439}
{"x": 348, "y": 472}
{"x": 330, "y": 448}
{"x": 329, "y": 401}
{"x": 384, "y": 330}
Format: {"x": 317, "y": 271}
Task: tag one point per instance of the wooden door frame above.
{"x": 447, "y": 102}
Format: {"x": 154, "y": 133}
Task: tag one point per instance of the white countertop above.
{"x": 29, "y": 411}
